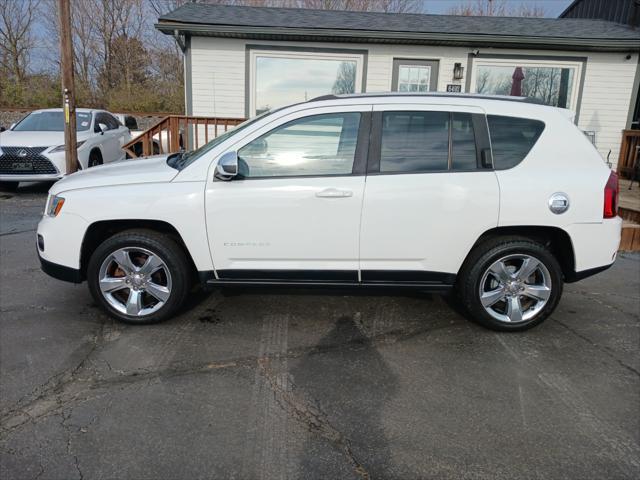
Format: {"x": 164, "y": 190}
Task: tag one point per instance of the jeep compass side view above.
{"x": 500, "y": 199}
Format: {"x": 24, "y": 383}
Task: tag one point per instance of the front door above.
{"x": 430, "y": 192}
{"x": 293, "y": 212}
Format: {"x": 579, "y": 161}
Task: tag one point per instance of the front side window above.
{"x": 551, "y": 85}
{"x": 285, "y": 78}
{"x": 310, "y": 146}
{"x": 512, "y": 138}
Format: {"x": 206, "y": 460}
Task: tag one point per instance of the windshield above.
{"x": 183, "y": 160}
{"x": 51, "y": 122}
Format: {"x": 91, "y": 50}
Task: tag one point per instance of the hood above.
{"x": 125, "y": 172}
{"x": 11, "y": 138}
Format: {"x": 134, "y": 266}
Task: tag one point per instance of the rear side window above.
{"x": 463, "y": 142}
{"x": 512, "y": 138}
{"x": 423, "y": 141}
{"x": 414, "y": 141}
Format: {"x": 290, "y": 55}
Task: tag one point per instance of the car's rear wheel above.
{"x": 9, "y": 186}
{"x": 139, "y": 276}
{"x": 510, "y": 284}
{"x": 95, "y": 158}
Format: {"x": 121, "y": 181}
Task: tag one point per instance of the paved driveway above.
{"x": 302, "y": 384}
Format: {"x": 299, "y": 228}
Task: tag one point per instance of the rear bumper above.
{"x": 577, "y": 276}
{"x": 60, "y": 272}
{"x": 595, "y": 245}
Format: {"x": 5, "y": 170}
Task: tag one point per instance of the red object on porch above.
{"x": 516, "y": 86}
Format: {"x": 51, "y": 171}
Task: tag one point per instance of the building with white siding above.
{"x": 240, "y": 61}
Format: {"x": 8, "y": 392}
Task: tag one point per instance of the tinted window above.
{"x": 316, "y": 145}
{"x": 463, "y": 142}
{"x": 108, "y": 120}
{"x": 51, "y": 122}
{"x": 512, "y": 138}
{"x": 112, "y": 122}
{"x": 414, "y": 141}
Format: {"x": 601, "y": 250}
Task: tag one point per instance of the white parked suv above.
{"x": 496, "y": 197}
{"x": 33, "y": 149}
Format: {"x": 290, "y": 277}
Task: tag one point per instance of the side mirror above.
{"x": 227, "y": 166}
{"x": 103, "y": 128}
{"x": 2, "y": 129}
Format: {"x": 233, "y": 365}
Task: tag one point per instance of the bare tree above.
{"x": 495, "y": 8}
{"x": 16, "y": 36}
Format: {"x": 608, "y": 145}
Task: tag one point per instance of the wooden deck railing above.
{"x": 629, "y": 152}
{"x": 178, "y": 132}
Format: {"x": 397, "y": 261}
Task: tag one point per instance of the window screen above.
{"x": 414, "y": 141}
{"x": 512, "y": 138}
{"x": 315, "y": 145}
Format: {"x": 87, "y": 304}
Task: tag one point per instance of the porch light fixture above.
{"x": 458, "y": 71}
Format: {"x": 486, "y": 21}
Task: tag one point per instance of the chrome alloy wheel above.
{"x": 515, "y": 288}
{"x": 135, "y": 281}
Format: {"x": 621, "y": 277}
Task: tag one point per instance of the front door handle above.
{"x": 334, "y": 193}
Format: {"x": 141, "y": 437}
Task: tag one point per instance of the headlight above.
{"x": 60, "y": 148}
{"x": 55, "y": 205}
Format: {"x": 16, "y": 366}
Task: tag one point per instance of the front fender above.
{"x": 179, "y": 204}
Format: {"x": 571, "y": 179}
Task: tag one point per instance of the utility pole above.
{"x": 68, "y": 87}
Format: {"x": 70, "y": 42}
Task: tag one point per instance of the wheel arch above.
{"x": 96, "y": 149}
{"x": 99, "y": 231}
{"x": 557, "y": 240}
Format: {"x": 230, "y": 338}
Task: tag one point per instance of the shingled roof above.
{"x": 372, "y": 27}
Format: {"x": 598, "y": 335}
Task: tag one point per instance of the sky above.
{"x": 552, "y": 8}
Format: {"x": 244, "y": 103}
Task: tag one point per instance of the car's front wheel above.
{"x": 510, "y": 284}
{"x": 139, "y": 276}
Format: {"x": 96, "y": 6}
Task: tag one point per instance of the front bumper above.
{"x": 25, "y": 177}
{"x": 24, "y": 164}
{"x": 60, "y": 244}
{"x": 60, "y": 272}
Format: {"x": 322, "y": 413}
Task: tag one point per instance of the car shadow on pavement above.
{"x": 346, "y": 391}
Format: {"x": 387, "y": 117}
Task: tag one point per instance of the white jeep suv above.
{"x": 496, "y": 197}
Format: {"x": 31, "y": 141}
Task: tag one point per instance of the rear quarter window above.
{"x": 512, "y": 138}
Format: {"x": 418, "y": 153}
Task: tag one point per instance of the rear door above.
{"x": 429, "y": 194}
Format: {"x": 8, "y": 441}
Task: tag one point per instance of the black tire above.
{"x": 161, "y": 245}
{"x": 483, "y": 257}
{"x": 95, "y": 158}
{"x": 9, "y": 186}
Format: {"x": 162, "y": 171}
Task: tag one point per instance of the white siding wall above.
{"x": 608, "y": 90}
{"x": 219, "y": 79}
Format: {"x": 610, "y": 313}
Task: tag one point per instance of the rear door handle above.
{"x": 334, "y": 193}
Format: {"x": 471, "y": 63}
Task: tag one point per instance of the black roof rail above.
{"x": 503, "y": 98}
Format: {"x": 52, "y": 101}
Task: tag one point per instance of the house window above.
{"x": 550, "y": 83}
{"x": 414, "y": 75}
{"x": 283, "y": 78}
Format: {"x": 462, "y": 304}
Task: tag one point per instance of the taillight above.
{"x": 611, "y": 196}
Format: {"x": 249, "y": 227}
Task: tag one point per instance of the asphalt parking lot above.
{"x": 306, "y": 384}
